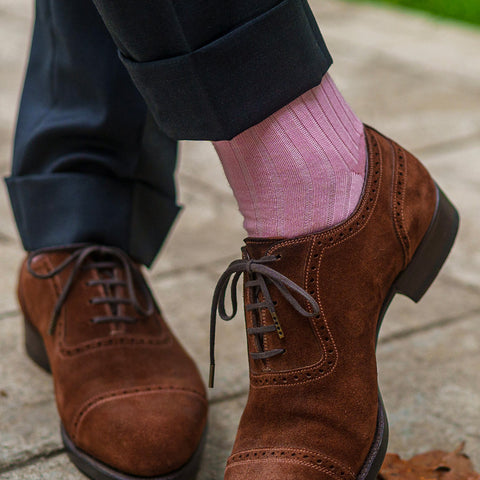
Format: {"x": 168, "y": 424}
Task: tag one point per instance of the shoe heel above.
{"x": 432, "y": 251}
{"x": 35, "y": 347}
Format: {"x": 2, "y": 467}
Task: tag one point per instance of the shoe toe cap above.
{"x": 145, "y": 434}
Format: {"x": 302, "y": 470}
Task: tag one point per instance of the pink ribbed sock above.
{"x": 300, "y": 170}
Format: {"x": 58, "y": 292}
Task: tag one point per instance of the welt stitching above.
{"x": 321, "y": 316}
{"x": 123, "y": 341}
{"x": 292, "y": 461}
{"x": 399, "y": 189}
{"x": 403, "y": 159}
{"x": 131, "y": 391}
{"x": 273, "y": 451}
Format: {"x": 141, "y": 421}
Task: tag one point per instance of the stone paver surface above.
{"x": 414, "y": 78}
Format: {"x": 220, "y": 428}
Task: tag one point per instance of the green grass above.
{"x": 465, "y": 10}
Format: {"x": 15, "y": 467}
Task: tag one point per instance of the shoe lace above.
{"x": 261, "y": 277}
{"x": 106, "y": 260}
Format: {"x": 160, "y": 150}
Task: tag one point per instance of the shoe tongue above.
{"x": 258, "y": 247}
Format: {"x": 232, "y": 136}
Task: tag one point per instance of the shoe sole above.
{"x": 414, "y": 282}
{"x": 88, "y": 465}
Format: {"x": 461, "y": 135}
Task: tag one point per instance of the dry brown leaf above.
{"x": 433, "y": 465}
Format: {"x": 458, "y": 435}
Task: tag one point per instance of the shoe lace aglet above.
{"x": 211, "y": 376}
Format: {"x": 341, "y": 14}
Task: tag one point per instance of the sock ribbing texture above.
{"x": 300, "y": 170}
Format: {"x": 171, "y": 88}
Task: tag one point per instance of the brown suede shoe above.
{"x": 314, "y": 305}
{"x": 131, "y": 401}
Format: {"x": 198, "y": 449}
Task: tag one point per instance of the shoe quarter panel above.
{"x": 302, "y": 344}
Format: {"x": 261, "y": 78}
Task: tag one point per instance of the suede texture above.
{"x": 312, "y": 411}
{"x": 127, "y": 393}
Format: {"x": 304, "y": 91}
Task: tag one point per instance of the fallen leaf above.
{"x": 433, "y": 465}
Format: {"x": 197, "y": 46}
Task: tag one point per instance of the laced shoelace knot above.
{"x": 103, "y": 259}
{"x": 262, "y": 276}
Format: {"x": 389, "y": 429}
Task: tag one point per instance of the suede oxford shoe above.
{"x": 313, "y": 308}
{"x": 131, "y": 401}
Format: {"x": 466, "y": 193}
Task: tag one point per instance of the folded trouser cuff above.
{"x": 60, "y": 209}
{"x": 236, "y": 81}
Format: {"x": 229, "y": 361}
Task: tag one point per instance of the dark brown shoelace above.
{"x": 105, "y": 260}
{"x": 262, "y": 276}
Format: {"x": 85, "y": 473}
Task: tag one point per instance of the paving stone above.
{"x": 416, "y": 40}
{"x": 28, "y": 418}
{"x": 16, "y": 8}
{"x": 8, "y": 230}
{"x": 458, "y": 173}
{"x": 11, "y": 256}
{"x": 15, "y": 19}
{"x": 409, "y": 106}
{"x": 430, "y": 385}
{"x": 200, "y": 162}
{"x": 208, "y": 229}
{"x": 446, "y": 301}
{"x": 224, "y": 419}
{"x": 56, "y": 468}
{"x": 402, "y": 99}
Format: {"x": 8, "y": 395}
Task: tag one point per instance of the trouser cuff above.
{"x": 238, "y": 80}
{"x": 59, "y": 209}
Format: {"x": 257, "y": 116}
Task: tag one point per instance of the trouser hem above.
{"x": 236, "y": 81}
{"x": 64, "y": 208}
